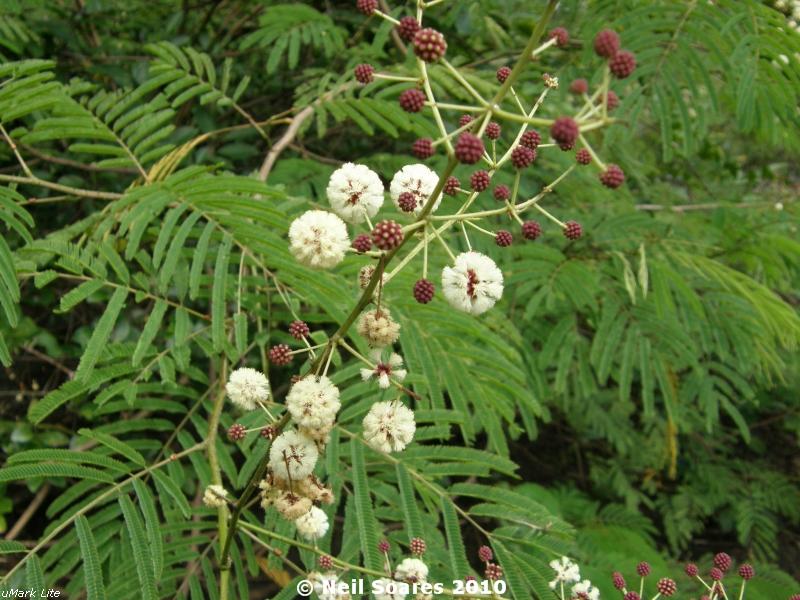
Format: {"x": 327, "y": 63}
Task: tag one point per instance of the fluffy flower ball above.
{"x": 355, "y": 191}
{"x": 318, "y": 239}
{"x": 325, "y": 586}
{"x": 566, "y": 572}
{"x": 389, "y": 426}
{"x": 411, "y": 570}
{"x": 418, "y": 180}
{"x": 312, "y": 525}
{"x": 378, "y": 328}
{"x": 313, "y": 402}
{"x": 247, "y": 386}
{"x": 473, "y": 284}
{"x": 585, "y": 590}
{"x": 214, "y": 496}
{"x": 292, "y": 456}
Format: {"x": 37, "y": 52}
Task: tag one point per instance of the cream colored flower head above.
{"x": 292, "y": 456}
{"x": 420, "y": 181}
{"x": 246, "y": 387}
{"x": 312, "y": 525}
{"x": 473, "y": 284}
{"x": 389, "y": 426}
{"x": 215, "y": 496}
{"x": 318, "y": 239}
{"x": 411, "y": 570}
{"x": 355, "y": 192}
{"x": 378, "y": 328}
{"x": 313, "y": 402}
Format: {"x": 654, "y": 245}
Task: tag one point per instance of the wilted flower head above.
{"x": 312, "y": 525}
{"x": 378, "y": 328}
{"x": 385, "y": 369}
{"x": 389, "y": 426}
{"x": 292, "y": 455}
{"x": 355, "y": 192}
{"x": 473, "y": 284}
{"x": 247, "y": 386}
{"x": 214, "y": 496}
{"x": 318, "y": 239}
{"x": 292, "y": 506}
{"x": 419, "y": 181}
{"x": 313, "y": 402}
{"x": 566, "y": 571}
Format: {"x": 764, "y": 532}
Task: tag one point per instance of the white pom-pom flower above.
{"x": 585, "y": 590}
{"x": 313, "y": 402}
{"x": 215, "y": 496}
{"x": 247, "y": 386}
{"x": 355, "y": 192}
{"x": 312, "y": 525}
{"x": 389, "y": 426}
{"x": 411, "y": 570}
{"x": 325, "y": 586}
{"x": 292, "y": 455}
{"x": 566, "y": 572}
{"x": 318, "y": 239}
{"x": 473, "y": 284}
{"x": 387, "y": 589}
{"x": 385, "y": 369}
{"x": 420, "y": 181}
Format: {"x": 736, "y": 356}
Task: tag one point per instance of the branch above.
{"x": 286, "y": 139}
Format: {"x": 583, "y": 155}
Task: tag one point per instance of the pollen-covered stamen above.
{"x": 383, "y": 369}
{"x": 472, "y": 282}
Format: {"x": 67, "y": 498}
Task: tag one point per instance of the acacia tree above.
{"x": 315, "y": 372}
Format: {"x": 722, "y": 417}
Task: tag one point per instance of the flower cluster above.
{"x": 714, "y": 585}
{"x": 358, "y": 221}
{"x": 568, "y": 579}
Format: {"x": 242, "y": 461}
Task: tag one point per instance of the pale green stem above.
{"x": 437, "y": 116}
{"x": 459, "y": 107}
{"x": 444, "y": 245}
{"x": 460, "y": 78}
{"x": 549, "y": 216}
{"x": 595, "y": 158}
{"x": 387, "y": 77}
{"x": 543, "y": 47}
{"x": 386, "y": 17}
{"x": 479, "y": 228}
{"x": 466, "y": 237}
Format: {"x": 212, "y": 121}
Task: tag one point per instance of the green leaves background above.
{"x": 632, "y": 396}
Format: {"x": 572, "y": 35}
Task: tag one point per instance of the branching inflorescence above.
{"x": 433, "y": 205}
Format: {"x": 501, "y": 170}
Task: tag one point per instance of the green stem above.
{"x": 60, "y": 188}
